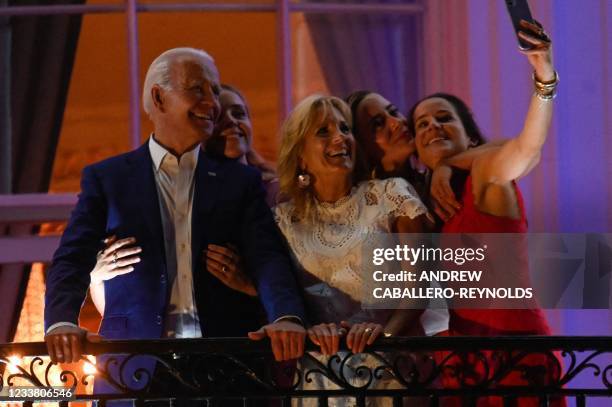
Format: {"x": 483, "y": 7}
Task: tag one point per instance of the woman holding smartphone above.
{"x": 446, "y": 135}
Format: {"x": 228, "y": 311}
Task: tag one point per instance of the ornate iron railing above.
{"x": 413, "y": 371}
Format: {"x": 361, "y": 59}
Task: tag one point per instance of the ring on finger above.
{"x": 368, "y": 330}
{"x": 224, "y": 269}
{"x": 114, "y": 257}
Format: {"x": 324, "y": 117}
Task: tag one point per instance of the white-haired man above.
{"x": 173, "y": 200}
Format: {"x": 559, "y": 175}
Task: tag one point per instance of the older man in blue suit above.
{"x": 174, "y": 200}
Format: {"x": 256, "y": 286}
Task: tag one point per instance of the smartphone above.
{"x": 519, "y": 10}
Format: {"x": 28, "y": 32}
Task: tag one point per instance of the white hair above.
{"x": 159, "y": 71}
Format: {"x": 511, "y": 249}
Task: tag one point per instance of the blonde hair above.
{"x": 160, "y": 69}
{"x": 307, "y": 114}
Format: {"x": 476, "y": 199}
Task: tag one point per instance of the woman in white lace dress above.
{"x": 331, "y": 213}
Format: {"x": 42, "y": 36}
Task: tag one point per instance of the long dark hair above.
{"x": 374, "y": 166}
{"x": 463, "y": 111}
{"x": 354, "y": 100}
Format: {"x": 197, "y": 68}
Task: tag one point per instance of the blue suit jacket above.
{"x": 119, "y": 196}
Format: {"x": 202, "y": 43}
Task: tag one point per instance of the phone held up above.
{"x": 519, "y": 10}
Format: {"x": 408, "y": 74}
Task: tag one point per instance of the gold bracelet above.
{"x": 552, "y": 82}
{"x": 545, "y": 91}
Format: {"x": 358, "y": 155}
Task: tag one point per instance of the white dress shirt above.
{"x": 175, "y": 185}
{"x": 174, "y": 179}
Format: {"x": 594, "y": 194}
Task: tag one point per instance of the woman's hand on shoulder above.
{"x": 444, "y": 202}
{"x": 226, "y": 265}
{"x": 116, "y": 259}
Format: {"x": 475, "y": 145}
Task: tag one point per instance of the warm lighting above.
{"x": 89, "y": 367}
{"x": 14, "y": 362}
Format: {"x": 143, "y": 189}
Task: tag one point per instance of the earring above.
{"x": 303, "y": 180}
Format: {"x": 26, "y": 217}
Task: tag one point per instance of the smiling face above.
{"x": 329, "y": 146}
{"x": 383, "y": 129}
{"x": 234, "y": 125}
{"x": 439, "y": 131}
{"x": 189, "y": 108}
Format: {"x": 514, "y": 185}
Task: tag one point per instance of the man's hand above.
{"x": 65, "y": 343}
{"x": 287, "y": 339}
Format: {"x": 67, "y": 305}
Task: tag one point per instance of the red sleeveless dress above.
{"x": 495, "y": 322}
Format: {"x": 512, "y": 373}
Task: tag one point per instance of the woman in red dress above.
{"x": 446, "y": 135}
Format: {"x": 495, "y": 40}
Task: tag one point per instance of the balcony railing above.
{"x": 215, "y": 371}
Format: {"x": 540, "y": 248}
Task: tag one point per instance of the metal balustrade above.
{"x": 216, "y": 371}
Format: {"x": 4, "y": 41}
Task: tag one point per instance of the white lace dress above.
{"x": 328, "y": 253}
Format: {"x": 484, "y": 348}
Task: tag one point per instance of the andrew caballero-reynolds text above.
{"x": 416, "y": 284}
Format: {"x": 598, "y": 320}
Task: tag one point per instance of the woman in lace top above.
{"x": 331, "y": 213}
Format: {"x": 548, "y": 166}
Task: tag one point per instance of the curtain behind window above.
{"x": 371, "y": 52}
{"x": 42, "y": 56}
